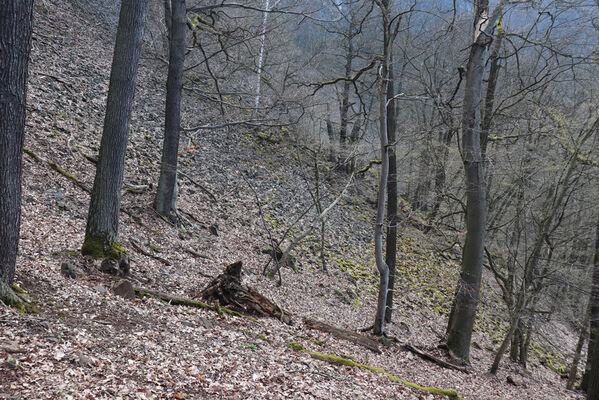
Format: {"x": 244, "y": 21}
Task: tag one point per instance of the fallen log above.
{"x": 350, "y": 336}
{"x": 434, "y": 359}
{"x": 333, "y": 359}
{"x": 228, "y": 290}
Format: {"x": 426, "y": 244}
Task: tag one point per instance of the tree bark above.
{"x": 594, "y": 316}
{"x": 593, "y": 376}
{"x": 391, "y": 245}
{"x": 465, "y": 303}
{"x": 101, "y": 233}
{"x": 15, "y": 44}
{"x": 166, "y": 192}
{"x": 349, "y": 58}
{"x": 379, "y": 321}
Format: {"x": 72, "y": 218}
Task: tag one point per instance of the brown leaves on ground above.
{"x": 89, "y": 343}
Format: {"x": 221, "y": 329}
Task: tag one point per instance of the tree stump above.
{"x": 228, "y": 290}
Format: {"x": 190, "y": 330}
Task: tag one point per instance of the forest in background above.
{"x": 477, "y": 120}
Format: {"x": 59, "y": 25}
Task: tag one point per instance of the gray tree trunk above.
{"x": 166, "y": 193}
{"x": 463, "y": 313}
{"x": 101, "y": 233}
{"x": 15, "y": 43}
{"x": 349, "y": 58}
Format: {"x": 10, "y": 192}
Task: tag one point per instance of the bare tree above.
{"x": 166, "y": 195}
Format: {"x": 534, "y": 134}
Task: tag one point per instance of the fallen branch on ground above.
{"x": 350, "y": 363}
{"x": 137, "y": 247}
{"x": 353, "y": 337}
{"x": 434, "y": 359}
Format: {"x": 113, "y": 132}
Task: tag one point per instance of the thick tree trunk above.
{"x": 101, "y": 233}
{"x": 594, "y": 316}
{"x": 467, "y": 293}
{"x": 15, "y": 42}
{"x": 593, "y": 375}
{"x": 166, "y": 193}
{"x": 391, "y": 245}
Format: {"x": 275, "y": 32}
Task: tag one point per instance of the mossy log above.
{"x": 353, "y": 337}
{"x": 350, "y": 363}
{"x": 179, "y": 301}
{"x": 227, "y": 289}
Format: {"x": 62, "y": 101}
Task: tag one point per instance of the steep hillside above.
{"x": 88, "y": 343}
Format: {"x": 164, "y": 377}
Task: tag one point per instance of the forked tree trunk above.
{"x": 463, "y": 313}
{"x": 101, "y": 233}
{"x": 15, "y": 42}
{"x": 166, "y": 193}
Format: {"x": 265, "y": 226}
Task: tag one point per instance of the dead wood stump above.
{"x": 227, "y": 290}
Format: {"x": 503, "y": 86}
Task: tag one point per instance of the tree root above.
{"x": 350, "y": 363}
{"x": 228, "y": 290}
{"x": 14, "y": 296}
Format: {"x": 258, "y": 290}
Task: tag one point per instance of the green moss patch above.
{"x": 350, "y": 363}
{"x": 95, "y": 247}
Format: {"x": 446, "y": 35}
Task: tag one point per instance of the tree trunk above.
{"x": 525, "y": 344}
{"x": 391, "y": 245}
{"x": 379, "y": 321}
{"x": 349, "y": 58}
{"x": 593, "y": 376}
{"x": 261, "y": 55}
{"x": 594, "y": 317}
{"x": 440, "y": 175}
{"x": 15, "y": 43}
{"x": 466, "y": 299}
{"x": 166, "y": 193}
{"x": 101, "y": 233}
{"x": 487, "y": 118}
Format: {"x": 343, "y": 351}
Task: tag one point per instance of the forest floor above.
{"x": 89, "y": 343}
